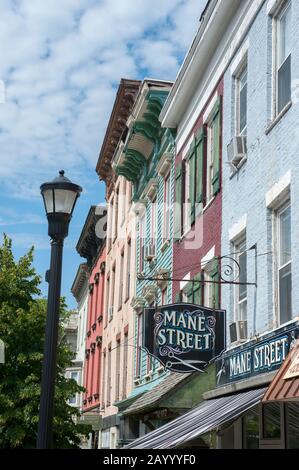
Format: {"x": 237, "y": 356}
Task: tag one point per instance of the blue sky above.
{"x": 60, "y": 63}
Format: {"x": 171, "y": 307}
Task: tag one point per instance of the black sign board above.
{"x": 184, "y": 337}
{"x": 262, "y": 355}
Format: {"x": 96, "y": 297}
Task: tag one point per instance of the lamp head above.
{"x": 60, "y": 197}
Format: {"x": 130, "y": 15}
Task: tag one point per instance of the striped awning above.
{"x": 208, "y": 415}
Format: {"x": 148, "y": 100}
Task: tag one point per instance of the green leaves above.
{"x": 22, "y": 328}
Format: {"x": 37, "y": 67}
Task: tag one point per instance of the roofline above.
{"x": 204, "y": 20}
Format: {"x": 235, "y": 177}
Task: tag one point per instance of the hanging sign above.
{"x": 184, "y": 337}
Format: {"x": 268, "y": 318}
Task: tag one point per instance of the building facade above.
{"x": 152, "y": 181}
{"x": 91, "y": 246}
{"x": 261, "y": 113}
{"x": 247, "y": 51}
{"x": 117, "y": 378}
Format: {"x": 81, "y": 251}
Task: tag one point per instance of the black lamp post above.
{"x": 59, "y": 197}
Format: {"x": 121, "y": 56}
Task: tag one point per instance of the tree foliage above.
{"x": 22, "y": 328}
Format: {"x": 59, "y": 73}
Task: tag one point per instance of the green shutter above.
{"x": 188, "y": 289}
{"x": 178, "y": 297}
{"x": 178, "y": 203}
{"x": 215, "y": 276}
{"x": 198, "y": 289}
{"x": 199, "y": 171}
{"x": 192, "y": 162}
{"x": 216, "y": 149}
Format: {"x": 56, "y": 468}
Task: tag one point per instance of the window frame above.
{"x": 167, "y": 208}
{"x": 276, "y": 24}
{"x": 142, "y": 241}
{"x": 138, "y": 369}
{"x": 277, "y": 239}
{"x": 238, "y": 79}
{"x": 209, "y": 161}
{"x": 240, "y": 249}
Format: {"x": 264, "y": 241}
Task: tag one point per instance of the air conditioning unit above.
{"x": 237, "y": 150}
{"x": 150, "y": 252}
{"x": 238, "y": 331}
{"x": 110, "y": 312}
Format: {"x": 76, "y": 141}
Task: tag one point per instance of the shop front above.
{"x": 234, "y": 412}
{"x": 272, "y": 423}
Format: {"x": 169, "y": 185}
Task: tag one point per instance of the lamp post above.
{"x": 60, "y": 196}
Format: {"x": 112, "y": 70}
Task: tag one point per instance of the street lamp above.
{"x": 60, "y": 196}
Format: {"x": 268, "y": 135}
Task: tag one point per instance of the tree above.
{"x": 22, "y": 328}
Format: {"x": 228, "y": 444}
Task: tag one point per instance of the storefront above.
{"x": 234, "y": 411}
{"x": 273, "y": 423}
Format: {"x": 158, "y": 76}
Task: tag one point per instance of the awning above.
{"x": 285, "y": 385}
{"x": 202, "y": 419}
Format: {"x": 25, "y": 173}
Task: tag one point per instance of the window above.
{"x": 107, "y": 299}
{"x": 121, "y": 279}
{"x": 251, "y": 429}
{"x": 139, "y": 345}
{"x": 112, "y": 294}
{"x": 109, "y": 377}
{"x": 74, "y": 376}
{"x": 125, "y": 366}
{"x": 209, "y": 164}
{"x": 104, "y": 380}
{"x": 110, "y": 225}
{"x": 123, "y": 202}
{"x": 284, "y": 273}
{"x": 167, "y": 208}
{"x": 282, "y": 79}
{"x": 128, "y": 286}
{"x": 241, "y": 290}
{"x": 186, "y": 196}
{"x": 241, "y": 102}
{"x": 292, "y": 425}
{"x": 154, "y": 223}
{"x": 208, "y": 290}
{"x": 115, "y": 228}
{"x": 117, "y": 372}
{"x": 271, "y": 421}
{"x": 142, "y": 239}
{"x": 164, "y": 296}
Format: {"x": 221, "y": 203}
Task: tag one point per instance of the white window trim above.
{"x": 241, "y": 57}
{"x": 276, "y": 268}
{"x": 208, "y": 257}
{"x": 236, "y": 244}
{"x": 208, "y": 112}
{"x": 243, "y": 66}
{"x": 236, "y": 231}
{"x": 280, "y": 192}
{"x": 277, "y": 9}
{"x": 185, "y": 280}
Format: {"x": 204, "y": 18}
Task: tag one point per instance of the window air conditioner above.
{"x": 237, "y": 150}
{"x": 238, "y": 331}
{"x": 150, "y": 252}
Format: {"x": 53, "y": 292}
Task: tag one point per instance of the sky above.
{"x": 60, "y": 65}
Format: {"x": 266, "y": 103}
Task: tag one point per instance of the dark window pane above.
{"x": 251, "y": 430}
{"x": 285, "y": 293}
{"x": 243, "y": 109}
{"x": 285, "y": 237}
{"x": 293, "y": 425}
{"x": 271, "y": 415}
{"x": 284, "y": 84}
{"x": 243, "y": 275}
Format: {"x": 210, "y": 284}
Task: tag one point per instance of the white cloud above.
{"x": 61, "y": 62}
